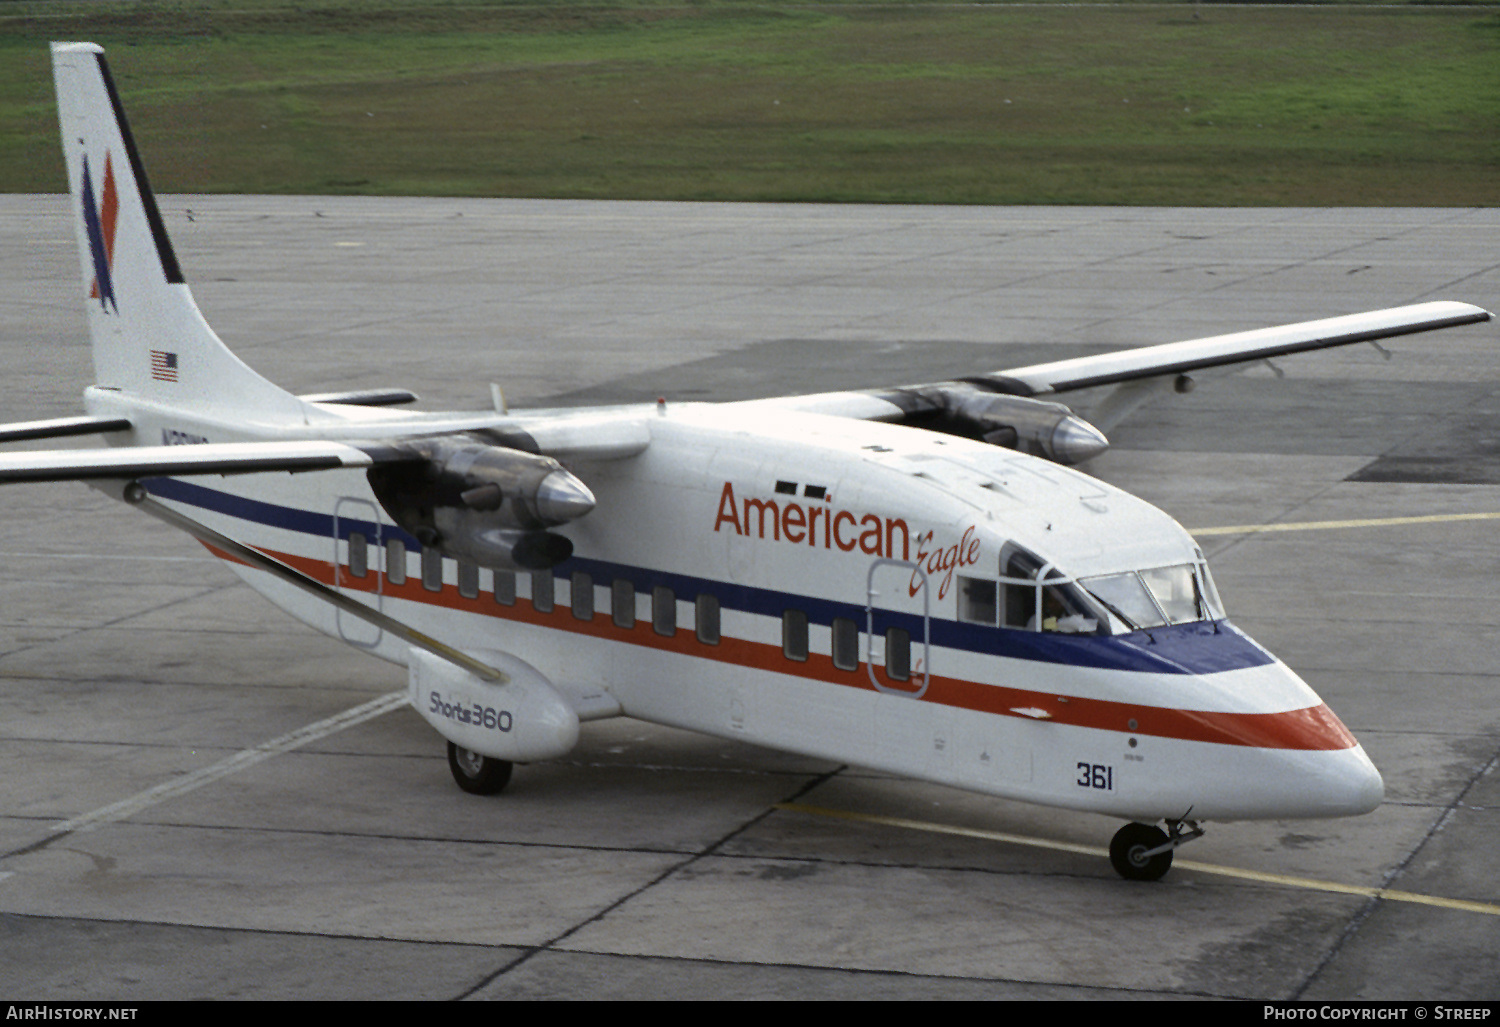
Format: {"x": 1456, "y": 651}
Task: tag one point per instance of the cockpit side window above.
{"x": 1039, "y": 597}
{"x": 976, "y": 600}
{"x": 1210, "y": 591}
{"x": 1018, "y": 569}
{"x": 1065, "y": 610}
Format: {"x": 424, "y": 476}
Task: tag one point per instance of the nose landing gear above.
{"x": 1140, "y": 852}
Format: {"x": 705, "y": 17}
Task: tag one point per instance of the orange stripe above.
{"x": 1312, "y": 728}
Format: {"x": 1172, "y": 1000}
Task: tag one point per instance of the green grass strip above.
{"x": 1185, "y": 104}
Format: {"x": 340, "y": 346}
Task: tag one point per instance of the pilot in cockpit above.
{"x": 1055, "y": 616}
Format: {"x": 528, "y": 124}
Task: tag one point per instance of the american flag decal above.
{"x": 163, "y": 366}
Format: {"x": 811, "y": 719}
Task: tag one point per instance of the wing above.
{"x": 563, "y": 435}
{"x": 128, "y": 462}
{"x": 1004, "y": 408}
{"x": 1226, "y": 350}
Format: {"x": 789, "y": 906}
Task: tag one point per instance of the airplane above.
{"x": 909, "y": 578}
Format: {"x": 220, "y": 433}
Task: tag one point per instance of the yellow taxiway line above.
{"x": 1373, "y": 522}
{"x": 1285, "y": 880}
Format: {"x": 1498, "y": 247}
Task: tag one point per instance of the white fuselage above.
{"x": 691, "y": 583}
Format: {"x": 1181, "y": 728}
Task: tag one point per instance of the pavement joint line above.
{"x": 1287, "y": 880}
{"x": 817, "y": 780}
{"x": 1373, "y": 522}
{"x": 242, "y": 760}
{"x": 95, "y": 557}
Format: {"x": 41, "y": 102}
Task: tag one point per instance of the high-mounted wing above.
{"x": 126, "y": 462}
{"x": 1003, "y": 408}
{"x": 1224, "y": 350}
{"x": 471, "y": 498}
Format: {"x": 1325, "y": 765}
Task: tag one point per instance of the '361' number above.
{"x": 1096, "y": 775}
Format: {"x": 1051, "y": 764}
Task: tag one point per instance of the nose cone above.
{"x": 561, "y": 497}
{"x": 1074, "y": 440}
{"x": 1244, "y": 783}
{"x": 1348, "y": 785}
{"x": 1275, "y": 750}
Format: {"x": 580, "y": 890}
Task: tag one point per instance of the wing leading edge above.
{"x": 1012, "y": 408}
{"x": 1227, "y": 350}
{"x": 213, "y": 458}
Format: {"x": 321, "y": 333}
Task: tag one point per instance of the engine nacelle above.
{"x": 1033, "y": 426}
{"x": 487, "y": 504}
{"x": 522, "y": 721}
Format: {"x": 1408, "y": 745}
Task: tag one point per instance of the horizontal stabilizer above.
{"x": 213, "y": 458}
{"x": 364, "y": 397}
{"x": 61, "y": 427}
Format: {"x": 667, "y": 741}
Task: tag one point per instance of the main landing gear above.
{"x": 476, "y": 774}
{"x": 1140, "y": 852}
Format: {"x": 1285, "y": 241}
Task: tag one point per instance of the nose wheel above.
{"x": 1140, "y": 852}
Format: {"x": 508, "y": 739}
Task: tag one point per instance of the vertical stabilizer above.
{"x": 150, "y": 341}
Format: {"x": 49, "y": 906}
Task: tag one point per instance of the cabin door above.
{"x": 357, "y": 552}
{"x": 898, "y": 611}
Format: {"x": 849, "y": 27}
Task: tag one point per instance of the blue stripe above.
{"x": 1206, "y": 647}
{"x": 286, "y": 518}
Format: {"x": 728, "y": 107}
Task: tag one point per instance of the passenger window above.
{"x": 845, "y": 644}
{"x": 707, "y": 614}
{"x": 794, "y": 635}
{"x": 543, "y": 591}
{"x": 359, "y": 555}
{"x": 622, "y": 603}
{"x": 664, "y": 611}
{"x": 395, "y": 561}
{"x": 505, "y": 588}
{"x": 976, "y": 600}
{"x": 583, "y": 596}
{"x": 468, "y": 579}
{"x": 432, "y": 569}
{"x": 898, "y": 654}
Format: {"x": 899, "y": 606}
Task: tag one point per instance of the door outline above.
{"x": 352, "y": 629}
{"x": 925, "y": 659}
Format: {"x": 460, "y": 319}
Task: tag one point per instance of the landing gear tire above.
{"x": 1127, "y": 852}
{"x": 476, "y": 774}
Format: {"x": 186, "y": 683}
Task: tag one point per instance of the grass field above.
{"x": 910, "y": 102}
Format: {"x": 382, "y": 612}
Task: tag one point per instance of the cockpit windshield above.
{"x": 1126, "y": 596}
{"x": 1177, "y": 594}
{"x": 1032, "y": 595}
